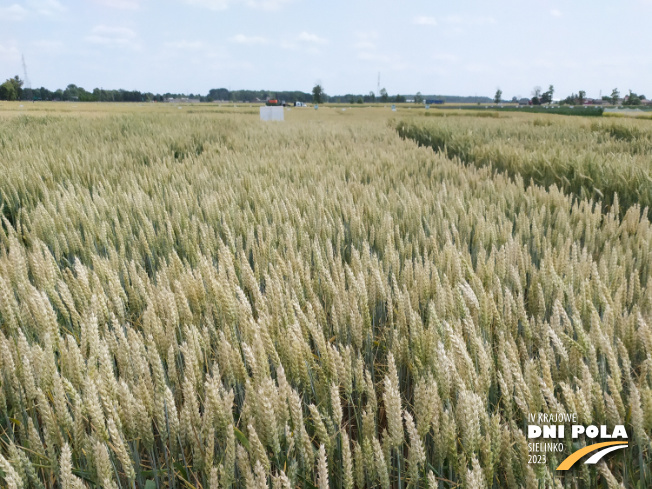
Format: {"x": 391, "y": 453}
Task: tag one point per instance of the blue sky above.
{"x": 466, "y": 47}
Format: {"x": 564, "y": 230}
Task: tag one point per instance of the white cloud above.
{"x": 185, "y": 45}
{"x": 444, "y": 57}
{"x": 367, "y": 47}
{"x": 367, "y": 38}
{"x": 453, "y": 19}
{"x": 547, "y": 63}
{"x": 17, "y": 12}
{"x": 120, "y": 4}
{"x": 364, "y": 45}
{"x": 459, "y": 20}
{"x": 224, "y": 4}
{"x": 112, "y": 36}
{"x": 47, "y": 7}
{"x": 306, "y": 42}
{"x": 267, "y": 4}
{"x": 210, "y": 4}
{"x": 311, "y": 38}
{"x": 476, "y": 67}
{"x": 425, "y": 20}
{"x": 555, "y": 13}
{"x": 13, "y": 12}
{"x": 9, "y": 52}
{"x": 366, "y": 56}
{"x": 242, "y": 39}
{"x": 49, "y": 46}
{"x": 483, "y": 20}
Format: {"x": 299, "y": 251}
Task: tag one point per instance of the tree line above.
{"x": 13, "y": 89}
{"x": 542, "y": 98}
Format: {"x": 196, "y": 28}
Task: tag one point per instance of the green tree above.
{"x": 632, "y": 99}
{"x": 384, "y": 97}
{"x": 615, "y": 95}
{"x": 581, "y": 96}
{"x": 546, "y": 97}
{"x": 372, "y": 97}
{"x": 318, "y": 94}
{"x": 71, "y": 92}
{"x": 536, "y": 96}
{"x": 498, "y": 97}
{"x": 418, "y": 98}
{"x": 570, "y": 100}
{"x": 7, "y": 91}
{"x": 11, "y": 89}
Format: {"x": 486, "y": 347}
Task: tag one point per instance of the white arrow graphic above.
{"x": 595, "y": 458}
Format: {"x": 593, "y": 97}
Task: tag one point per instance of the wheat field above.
{"x": 192, "y": 298}
{"x": 594, "y": 158}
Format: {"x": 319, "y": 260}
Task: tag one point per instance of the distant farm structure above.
{"x": 183, "y": 100}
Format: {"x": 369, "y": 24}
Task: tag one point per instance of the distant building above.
{"x": 593, "y": 101}
{"x": 183, "y": 100}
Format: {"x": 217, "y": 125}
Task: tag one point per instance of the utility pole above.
{"x": 26, "y": 81}
{"x": 27, "y": 90}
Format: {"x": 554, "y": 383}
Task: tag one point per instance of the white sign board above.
{"x": 271, "y": 113}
